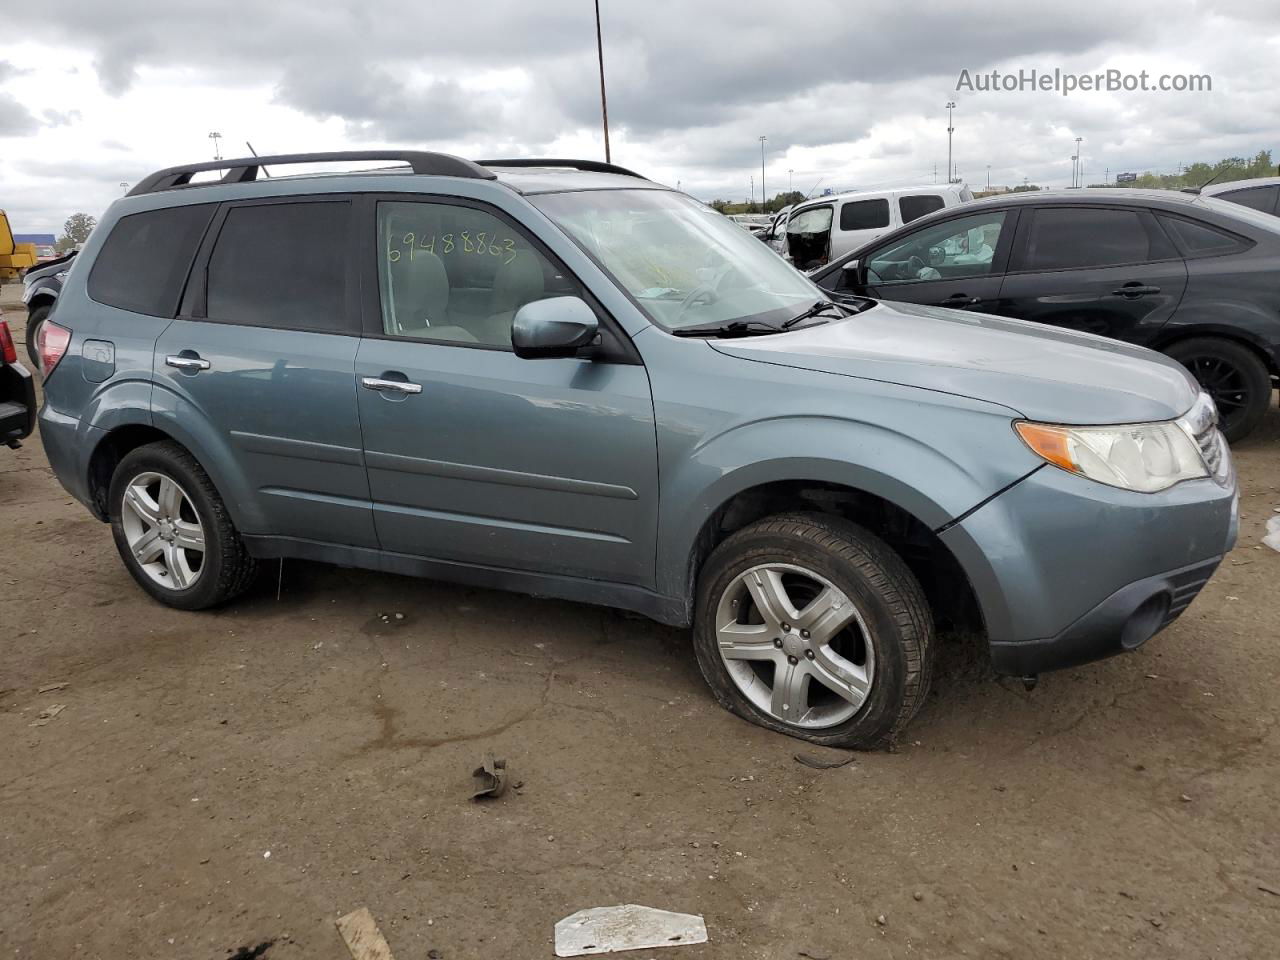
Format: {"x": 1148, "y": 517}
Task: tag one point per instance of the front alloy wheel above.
{"x": 795, "y": 645}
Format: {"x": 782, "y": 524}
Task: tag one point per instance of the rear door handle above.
{"x": 959, "y": 300}
{"x": 187, "y": 363}
{"x": 1135, "y": 289}
{"x": 389, "y": 386}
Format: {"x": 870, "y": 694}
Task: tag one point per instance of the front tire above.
{"x": 1233, "y": 375}
{"x": 173, "y": 531}
{"x": 812, "y": 626}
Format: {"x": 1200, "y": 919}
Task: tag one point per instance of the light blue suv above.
{"x": 560, "y": 378}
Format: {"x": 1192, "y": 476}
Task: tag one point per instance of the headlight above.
{"x": 1146, "y": 457}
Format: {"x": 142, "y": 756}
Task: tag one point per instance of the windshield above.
{"x": 684, "y": 263}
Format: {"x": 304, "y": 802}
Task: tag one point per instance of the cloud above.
{"x": 15, "y": 119}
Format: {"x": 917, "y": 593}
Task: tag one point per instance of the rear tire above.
{"x": 34, "y": 319}
{"x": 847, "y": 660}
{"x": 1233, "y": 375}
{"x": 174, "y": 533}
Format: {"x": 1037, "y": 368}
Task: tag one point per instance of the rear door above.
{"x": 1110, "y": 271}
{"x": 475, "y": 455}
{"x": 263, "y": 356}
{"x": 859, "y": 222}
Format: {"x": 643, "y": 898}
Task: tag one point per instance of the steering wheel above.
{"x": 914, "y": 266}
{"x": 709, "y": 291}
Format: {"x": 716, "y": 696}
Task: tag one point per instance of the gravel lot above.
{"x": 220, "y": 780}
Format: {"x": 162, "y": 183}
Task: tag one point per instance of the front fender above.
{"x": 913, "y": 474}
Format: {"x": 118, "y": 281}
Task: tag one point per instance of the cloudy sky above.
{"x": 94, "y": 94}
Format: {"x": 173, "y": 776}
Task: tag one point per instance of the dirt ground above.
{"x": 220, "y": 780}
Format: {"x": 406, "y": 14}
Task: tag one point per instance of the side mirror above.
{"x": 556, "y": 327}
{"x": 855, "y": 274}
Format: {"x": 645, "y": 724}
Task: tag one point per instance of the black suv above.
{"x": 1193, "y": 277}
{"x": 17, "y": 393}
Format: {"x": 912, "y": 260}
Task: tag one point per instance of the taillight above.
{"x": 7, "y": 350}
{"x": 51, "y": 343}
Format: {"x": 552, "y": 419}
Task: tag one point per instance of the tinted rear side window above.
{"x": 913, "y": 208}
{"x": 1064, "y": 238}
{"x": 143, "y": 265}
{"x": 282, "y": 265}
{"x": 1257, "y": 198}
{"x": 864, "y": 215}
{"x": 1199, "y": 239}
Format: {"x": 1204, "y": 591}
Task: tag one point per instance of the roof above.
{"x": 1214, "y": 189}
{"x": 1087, "y": 195}
{"x": 523, "y": 174}
{"x": 883, "y": 192}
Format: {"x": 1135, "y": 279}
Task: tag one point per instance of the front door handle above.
{"x": 959, "y": 300}
{"x": 193, "y": 364}
{"x": 1135, "y": 289}
{"x": 389, "y": 386}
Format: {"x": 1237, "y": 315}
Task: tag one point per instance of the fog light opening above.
{"x": 1145, "y": 621}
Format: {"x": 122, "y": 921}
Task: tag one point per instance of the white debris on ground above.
{"x": 1272, "y": 539}
{"x": 626, "y": 927}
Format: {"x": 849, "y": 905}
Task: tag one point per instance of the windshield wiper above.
{"x": 736, "y": 328}
{"x": 820, "y": 307}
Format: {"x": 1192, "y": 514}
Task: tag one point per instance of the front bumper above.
{"x": 17, "y": 403}
{"x": 1066, "y": 570}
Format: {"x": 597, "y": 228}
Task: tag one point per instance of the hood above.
{"x": 1043, "y": 373}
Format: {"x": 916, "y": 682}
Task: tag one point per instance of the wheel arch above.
{"x": 1217, "y": 331}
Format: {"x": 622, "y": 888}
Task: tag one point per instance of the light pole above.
{"x": 951, "y": 105}
{"x": 1076, "y": 178}
{"x": 752, "y": 201}
{"x": 215, "y": 136}
{"x": 604, "y": 103}
{"x": 988, "y": 178}
{"x": 763, "y": 196}
{"x": 791, "y": 181}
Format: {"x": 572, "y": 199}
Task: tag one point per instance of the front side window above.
{"x": 913, "y": 208}
{"x": 1065, "y": 238}
{"x": 458, "y": 274}
{"x": 282, "y": 265}
{"x": 683, "y": 263}
{"x": 962, "y": 247}
{"x": 864, "y": 214}
{"x": 143, "y": 265}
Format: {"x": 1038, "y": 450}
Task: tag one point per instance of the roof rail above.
{"x": 590, "y": 166}
{"x": 245, "y": 169}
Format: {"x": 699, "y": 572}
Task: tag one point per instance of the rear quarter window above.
{"x": 913, "y": 208}
{"x": 864, "y": 215}
{"x": 1197, "y": 239}
{"x": 143, "y": 265}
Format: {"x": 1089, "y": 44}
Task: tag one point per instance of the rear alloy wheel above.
{"x": 812, "y": 626}
{"x": 173, "y": 531}
{"x": 1233, "y": 376}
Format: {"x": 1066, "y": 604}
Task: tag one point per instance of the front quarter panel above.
{"x": 726, "y": 425}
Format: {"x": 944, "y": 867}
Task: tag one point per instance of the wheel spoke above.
{"x": 179, "y": 573}
{"x": 826, "y": 615}
{"x": 148, "y": 547}
{"x": 845, "y": 679}
{"x": 747, "y": 641}
{"x": 170, "y": 498}
{"x": 147, "y": 510}
{"x": 188, "y": 536}
{"x": 770, "y": 596}
{"x": 790, "y": 698}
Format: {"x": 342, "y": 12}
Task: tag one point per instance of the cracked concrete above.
{"x": 1041, "y": 825}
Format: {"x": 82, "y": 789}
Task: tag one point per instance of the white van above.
{"x": 821, "y": 229}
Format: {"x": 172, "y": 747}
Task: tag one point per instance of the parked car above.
{"x": 561, "y": 378}
{"x": 1193, "y": 277}
{"x": 824, "y": 228}
{"x": 40, "y": 288}
{"x": 17, "y": 393}
{"x": 1261, "y": 193}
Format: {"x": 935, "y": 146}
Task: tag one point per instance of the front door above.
{"x": 955, "y": 263}
{"x": 1103, "y": 270}
{"x": 475, "y": 455}
{"x": 263, "y": 357}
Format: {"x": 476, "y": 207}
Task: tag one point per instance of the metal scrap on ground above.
{"x": 363, "y": 938}
{"x": 1272, "y": 539}
{"x": 626, "y": 927}
{"x": 490, "y": 777}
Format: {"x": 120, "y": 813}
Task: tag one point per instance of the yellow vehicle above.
{"x": 15, "y": 258}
